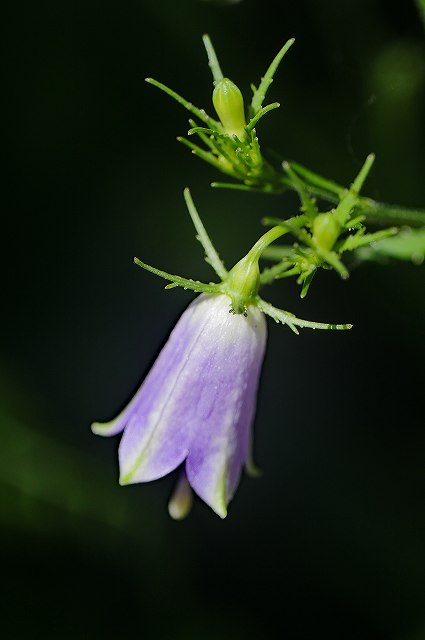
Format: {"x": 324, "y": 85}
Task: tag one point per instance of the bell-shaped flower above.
{"x": 196, "y": 407}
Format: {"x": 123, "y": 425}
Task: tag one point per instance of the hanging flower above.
{"x": 197, "y": 404}
{"x": 196, "y": 407}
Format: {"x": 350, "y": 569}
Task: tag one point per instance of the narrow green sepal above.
{"x": 308, "y": 203}
{"x": 267, "y": 188}
{"x": 307, "y": 282}
{"x": 284, "y": 317}
{"x": 200, "y": 130}
{"x": 208, "y": 157}
{"x": 277, "y": 271}
{"x": 262, "y": 112}
{"x": 331, "y": 258}
{"x": 409, "y": 244}
{"x": 330, "y": 187}
{"x": 212, "y": 58}
{"x": 177, "y": 281}
{"x": 260, "y": 93}
{"x": 350, "y": 198}
{"x": 211, "y": 255}
{"x": 355, "y": 223}
{"x": 362, "y": 239}
{"x": 199, "y": 113}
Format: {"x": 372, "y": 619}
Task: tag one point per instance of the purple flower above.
{"x": 196, "y": 407}
{"x": 197, "y": 404}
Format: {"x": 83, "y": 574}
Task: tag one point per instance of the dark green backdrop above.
{"x": 330, "y": 541}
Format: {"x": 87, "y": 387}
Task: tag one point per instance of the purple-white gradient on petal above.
{"x": 197, "y": 404}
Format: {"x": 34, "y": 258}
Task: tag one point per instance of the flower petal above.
{"x": 159, "y": 431}
{"x": 152, "y": 388}
{"x": 198, "y": 402}
{"x": 224, "y": 394}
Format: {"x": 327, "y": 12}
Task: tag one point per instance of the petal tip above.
{"x": 220, "y": 510}
{"x": 107, "y": 428}
{"x": 98, "y": 428}
{"x": 219, "y": 506}
{"x": 124, "y": 479}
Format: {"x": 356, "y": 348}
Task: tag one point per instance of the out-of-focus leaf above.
{"x": 407, "y": 245}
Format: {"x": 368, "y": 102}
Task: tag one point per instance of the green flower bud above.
{"x": 326, "y": 229}
{"x": 228, "y": 102}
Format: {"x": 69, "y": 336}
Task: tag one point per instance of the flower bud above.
{"x": 326, "y": 230}
{"x": 228, "y": 102}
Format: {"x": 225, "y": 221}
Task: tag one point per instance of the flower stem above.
{"x": 380, "y": 212}
{"x": 270, "y": 236}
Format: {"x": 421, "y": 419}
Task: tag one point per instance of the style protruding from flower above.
{"x": 195, "y": 409}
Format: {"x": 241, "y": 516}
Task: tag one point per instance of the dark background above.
{"x": 330, "y": 541}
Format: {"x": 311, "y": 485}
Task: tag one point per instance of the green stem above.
{"x": 270, "y": 236}
{"x": 382, "y": 213}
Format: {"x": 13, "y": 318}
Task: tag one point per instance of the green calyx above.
{"x": 243, "y": 281}
{"x": 228, "y": 103}
{"x": 241, "y": 284}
